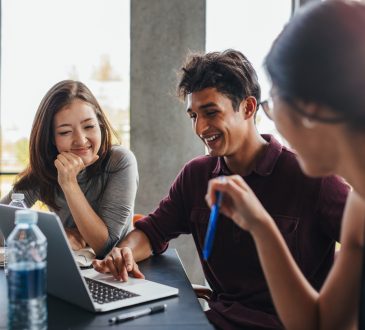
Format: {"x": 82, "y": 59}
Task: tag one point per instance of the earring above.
{"x": 308, "y": 123}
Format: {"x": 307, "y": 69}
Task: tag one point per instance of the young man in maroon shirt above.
{"x": 223, "y": 94}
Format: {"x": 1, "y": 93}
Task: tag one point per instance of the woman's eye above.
{"x": 64, "y": 133}
{"x": 90, "y": 127}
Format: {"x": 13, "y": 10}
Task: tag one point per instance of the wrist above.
{"x": 138, "y": 243}
{"x": 261, "y": 224}
{"x": 261, "y": 228}
{"x": 70, "y": 187}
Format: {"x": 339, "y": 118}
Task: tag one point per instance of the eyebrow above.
{"x": 82, "y": 122}
{"x": 204, "y": 106}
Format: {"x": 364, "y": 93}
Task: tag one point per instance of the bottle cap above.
{"x": 17, "y": 196}
{"x": 26, "y": 216}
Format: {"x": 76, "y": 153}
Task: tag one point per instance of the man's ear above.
{"x": 249, "y": 105}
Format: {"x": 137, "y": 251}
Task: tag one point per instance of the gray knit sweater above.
{"x": 111, "y": 195}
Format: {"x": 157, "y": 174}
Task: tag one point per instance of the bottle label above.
{"x": 25, "y": 283}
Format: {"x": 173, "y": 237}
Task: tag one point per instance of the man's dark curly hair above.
{"x": 230, "y": 72}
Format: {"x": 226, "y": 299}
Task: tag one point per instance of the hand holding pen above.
{"x": 238, "y": 203}
{"x": 212, "y": 225}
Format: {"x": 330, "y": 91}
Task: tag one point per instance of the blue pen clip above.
{"x": 209, "y": 237}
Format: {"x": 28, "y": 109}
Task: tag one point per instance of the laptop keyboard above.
{"x": 104, "y": 293}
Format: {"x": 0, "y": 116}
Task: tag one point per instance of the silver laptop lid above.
{"x": 64, "y": 279}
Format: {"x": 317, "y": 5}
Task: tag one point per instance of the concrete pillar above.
{"x": 162, "y": 33}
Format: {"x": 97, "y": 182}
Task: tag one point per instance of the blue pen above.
{"x": 209, "y": 237}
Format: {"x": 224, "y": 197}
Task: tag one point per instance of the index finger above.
{"x": 128, "y": 258}
{"x": 215, "y": 185}
{"x": 127, "y": 266}
{"x": 111, "y": 264}
{"x": 68, "y": 155}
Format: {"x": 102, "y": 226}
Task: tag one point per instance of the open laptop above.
{"x": 86, "y": 288}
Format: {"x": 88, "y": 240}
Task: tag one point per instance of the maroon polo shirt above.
{"x": 307, "y": 211}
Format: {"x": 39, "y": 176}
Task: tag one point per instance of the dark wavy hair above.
{"x": 41, "y": 172}
{"x": 320, "y": 57}
{"x": 230, "y": 72}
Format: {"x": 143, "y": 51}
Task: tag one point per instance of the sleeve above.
{"x": 168, "y": 221}
{"x": 117, "y": 201}
{"x": 331, "y": 204}
{"x": 30, "y": 197}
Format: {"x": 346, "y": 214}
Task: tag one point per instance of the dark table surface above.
{"x": 182, "y": 312}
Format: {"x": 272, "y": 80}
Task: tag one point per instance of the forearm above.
{"x": 139, "y": 243}
{"x": 295, "y": 300}
{"x": 340, "y": 294}
{"x": 91, "y": 227}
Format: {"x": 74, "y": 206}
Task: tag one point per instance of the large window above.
{"x": 44, "y": 42}
{"x": 249, "y": 26}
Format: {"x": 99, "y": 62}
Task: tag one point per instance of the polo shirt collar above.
{"x": 264, "y": 166}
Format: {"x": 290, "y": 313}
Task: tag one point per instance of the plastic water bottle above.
{"x": 27, "y": 252}
{"x": 17, "y": 200}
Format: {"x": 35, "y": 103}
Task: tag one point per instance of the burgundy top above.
{"x": 307, "y": 211}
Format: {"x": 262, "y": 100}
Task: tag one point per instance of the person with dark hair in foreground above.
{"x": 317, "y": 69}
{"x": 222, "y": 93}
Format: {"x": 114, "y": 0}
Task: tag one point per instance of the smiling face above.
{"x": 77, "y": 130}
{"x": 214, "y": 120}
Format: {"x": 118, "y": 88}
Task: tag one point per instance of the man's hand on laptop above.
{"x": 119, "y": 262}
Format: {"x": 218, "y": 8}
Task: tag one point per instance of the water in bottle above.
{"x": 2, "y": 250}
{"x": 17, "y": 200}
{"x": 27, "y": 252}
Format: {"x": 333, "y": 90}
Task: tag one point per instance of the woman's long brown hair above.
{"x": 41, "y": 173}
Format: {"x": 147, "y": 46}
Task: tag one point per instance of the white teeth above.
{"x": 212, "y": 138}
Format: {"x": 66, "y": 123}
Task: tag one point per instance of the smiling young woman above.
{"x": 76, "y": 171}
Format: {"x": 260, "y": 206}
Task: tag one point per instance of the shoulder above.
{"x": 201, "y": 163}
{"x": 288, "y": 167}
{"x": 335, "y": 184}
{"x": 289, "y": 157}
{"x": 121, "y": 157}
{"x": 198, "y": 170}
{"x": 278, "y": 159}
{"x": 353, "y": 221}
{"x": 290, "y": 164}
{"x": 120, "y": 152}
{"x": 193, "y": 177}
